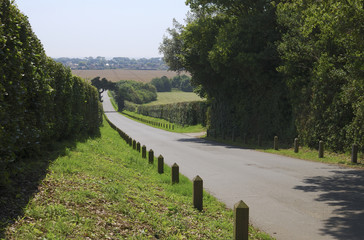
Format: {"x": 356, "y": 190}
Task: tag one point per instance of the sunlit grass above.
{"x": 103, "y": 189}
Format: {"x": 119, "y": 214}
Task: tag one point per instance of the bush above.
{"x": 136, "y": 92}
{"x": 162, "y": 84}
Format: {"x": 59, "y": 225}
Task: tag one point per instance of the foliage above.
{"x": 276, "y": 67}
{"x": 322, "y": 51}
{"x": 162, "y": 84}
{"x": 184, "y": 113}
{"x": 40, "y": 100}
{"x": 229, "y": 49}
{"x": 136, "y": 92}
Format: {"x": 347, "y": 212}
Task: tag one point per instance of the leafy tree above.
{"x": 162, "y": 84}
{"x": 229, "y": 49}
{"x": 322, "y": 52}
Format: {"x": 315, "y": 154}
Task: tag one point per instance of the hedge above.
{"x": 40, "y": 100}
{"x": 184, "y": 113}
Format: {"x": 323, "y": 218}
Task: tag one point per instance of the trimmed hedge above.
{"x": 184, "y": 113}
{"x": 40, "y": 100}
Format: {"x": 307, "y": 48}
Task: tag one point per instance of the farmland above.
{"x": 175, "y": 97}
{"x": 116, "y": 75}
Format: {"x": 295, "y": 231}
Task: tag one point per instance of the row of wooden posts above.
{"x": 354, "y": 151}
{"x": 321, "y": 149}
{"x": 153, "y": 123}
{"x": 241, "y": 210}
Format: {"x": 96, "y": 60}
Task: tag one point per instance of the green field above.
{"x": 103, "y": 189}
{"x": 175, "y": 97}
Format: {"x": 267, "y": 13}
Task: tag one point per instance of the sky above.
{"x": 107, "y": 28}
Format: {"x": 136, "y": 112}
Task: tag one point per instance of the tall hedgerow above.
{"x": 40, "y": 100}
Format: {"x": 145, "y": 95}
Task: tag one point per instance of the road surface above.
{"x": 288, "y": 198}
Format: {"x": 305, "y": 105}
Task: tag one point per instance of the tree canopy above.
{"x": 287, "y": 68}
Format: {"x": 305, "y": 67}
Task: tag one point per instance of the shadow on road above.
{"x": 344, "y": 190}
{"x": 210, "y": 143}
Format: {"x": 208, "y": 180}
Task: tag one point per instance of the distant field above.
{"x": 116, "y": 75}
{"x": 175, "y": 97}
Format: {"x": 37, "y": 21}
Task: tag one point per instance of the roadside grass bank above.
{"x": 175, "y": 96}
{"x": 304, "y": 153}
{"x": 161, "y": 122}
{"x": 103, "y": 189}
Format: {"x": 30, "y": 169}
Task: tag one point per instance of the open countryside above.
{"x": 116, "y": 75}
{"x": 274, "y": 151}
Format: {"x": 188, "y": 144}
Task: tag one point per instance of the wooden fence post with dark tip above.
{"x": 138, "y": 146}
{"x": 134, "y": 144}
{"x": 197, "y": 193}
{"x": 151, "y": 156}
{"x": 144, "y": 151}
{"x": 175, "y": 173}
{"x": 296, "y": 145}
{"x": 160, "y": 164}
{"x": 354, "y": 154}
{"x": 241, "y": 221}
{"x": 276, "y": 143}
{"x": 321, "y": 149}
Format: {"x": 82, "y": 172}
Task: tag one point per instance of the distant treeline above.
{"x": 101, "y": 63}
{"x": 40, "y": 100}
{"x": 165, "y": 84}
{"x": 285, "y": 68}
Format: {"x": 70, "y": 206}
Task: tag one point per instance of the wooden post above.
{"x": 241, "y": 221}
{"x": 172, "y": 127}
{"x": 175, "y": 173}
{"x": 138, "y": 146}
{"x": 197, "y": 193}
{"x": 276, "y": 143}
{"x": 144, "y": 151}
{"x": 321, "y": 149}
{"x": 134, "y": 144}
{"x": 151, "y": 156}
{"x": 296, "y": 145}
{"x": 160, "y": 164}
{"x": 354, "y": 154}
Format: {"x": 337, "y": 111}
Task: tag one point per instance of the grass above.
{"x": 174, "y": 97}
{"x": 102, "y": 189}
{"x": 304, "y": 153}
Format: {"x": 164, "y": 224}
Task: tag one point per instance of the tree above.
{"x": 322, "y": 52}
{"x": 229, "y": 48}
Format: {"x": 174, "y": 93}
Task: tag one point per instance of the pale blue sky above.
{"x": 108, "y": 28}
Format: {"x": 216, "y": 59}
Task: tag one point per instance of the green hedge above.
{"x": 185, "y": 113}
{"x": 40, "y": 100}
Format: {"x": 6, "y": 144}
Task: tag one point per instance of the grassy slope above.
{"x": 102, "y": 189}
{"x": 175, "y": 97}
{"x": 304, "y": 153}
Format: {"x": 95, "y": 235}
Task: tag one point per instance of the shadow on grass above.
{"x": 26, "y": 175}
{"x": 345, "y": 191}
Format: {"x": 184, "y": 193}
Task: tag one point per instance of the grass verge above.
{"x": 304, "y": 153}
{"x": 103, "y": 189}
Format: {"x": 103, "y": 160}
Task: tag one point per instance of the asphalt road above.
{"x": 288, "y": 198}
